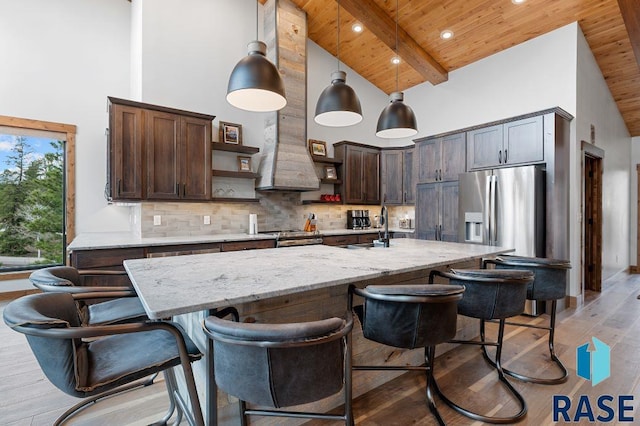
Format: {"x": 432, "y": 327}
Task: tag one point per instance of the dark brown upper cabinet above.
{"x": 441, "y": 159}
{"x": 397, "y": 176}
{"x": 172, "y": 150}
{"x": 360, "y": 173}
{"x": 510, "y": 144}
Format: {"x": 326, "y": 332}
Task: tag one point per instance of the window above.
{"x": 36, "y": 188}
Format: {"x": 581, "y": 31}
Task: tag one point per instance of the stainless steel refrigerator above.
{"x": 504, "y": 207}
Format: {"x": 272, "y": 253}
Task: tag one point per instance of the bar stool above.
{"x": 282, "y": 365}
{"x": 489, "y": 294}
{"x": 550, "y": 283}
{"x": 409, "y": 316}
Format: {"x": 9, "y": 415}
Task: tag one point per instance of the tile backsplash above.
{"x": 276, "y": 211}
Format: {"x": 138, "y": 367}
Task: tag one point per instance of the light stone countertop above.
{"x": 107, "y": 240}
{"x": 171, "y": 286}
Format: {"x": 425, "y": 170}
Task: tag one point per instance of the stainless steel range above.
{"x": 297, "y": 238}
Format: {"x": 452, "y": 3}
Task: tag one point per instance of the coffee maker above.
{"x": 358, "y": 219}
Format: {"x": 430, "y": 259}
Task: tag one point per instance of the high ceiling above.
{"x": 481, "y": 28}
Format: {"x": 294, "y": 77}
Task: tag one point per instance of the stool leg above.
{"x": 501, "y": 376}
{"x": 564, "y": 376}
{"x": 430, "y": 355}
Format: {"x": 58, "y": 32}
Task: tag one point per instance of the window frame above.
{"x": 69, "y": 173}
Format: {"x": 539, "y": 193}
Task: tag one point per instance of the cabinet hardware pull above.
{"x": 119, "y": 186}
{"x": 440, "y": 239}
{"x": 178, "y": 189}
{"x": 505, "y": 156}
{"x": 500, "y": 157}
{"x": 404, "y": 197}
{"x": 184, "y": 190}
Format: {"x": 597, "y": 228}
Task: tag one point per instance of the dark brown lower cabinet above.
{"x": 437, "y": 211}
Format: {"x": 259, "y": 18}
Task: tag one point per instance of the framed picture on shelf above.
{"x": 318, "y": 148}
{"x": 330, "y": 172}
{"x": 230, "y": 133}
{"x": 244, "y": 164}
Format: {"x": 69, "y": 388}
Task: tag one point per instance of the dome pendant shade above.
{"x": 397, "y": 120}
{"x": 338, "y": 104}
{"x": 255, "y": 83}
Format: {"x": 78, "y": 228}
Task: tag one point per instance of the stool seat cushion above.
{"x": 492, "y": 293}
{"x": 124, "y": 309}
{"x": 559, "y": 263}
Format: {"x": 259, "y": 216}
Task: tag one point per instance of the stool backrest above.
{"x": 491, "y": 294}
{"x": 279, "y": 365}
{"x": 409, "y": 316}
{"x": 48, "y": 279}
{"x": 551, "y": 275}
{"x": 40, "y": 317}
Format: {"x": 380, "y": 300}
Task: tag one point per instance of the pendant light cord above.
{"x": 397, "y": 57}
{"x": 338, "y": 46}
{"x": 257, "y": 37}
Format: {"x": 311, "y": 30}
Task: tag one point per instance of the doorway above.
{"x": 592, "y": 223}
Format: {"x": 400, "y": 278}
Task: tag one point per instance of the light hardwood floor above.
{"x": 613, "y": 316}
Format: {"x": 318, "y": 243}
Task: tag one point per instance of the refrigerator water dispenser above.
{"x": 473, "y": 227}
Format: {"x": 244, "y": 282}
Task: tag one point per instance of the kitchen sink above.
{"x": 374, "y": 244}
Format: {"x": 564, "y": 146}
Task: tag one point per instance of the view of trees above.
{"x": 32, "y": 203}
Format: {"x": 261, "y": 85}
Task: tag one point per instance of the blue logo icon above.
{"x": 594, "y": 363}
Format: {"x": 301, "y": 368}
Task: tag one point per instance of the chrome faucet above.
{"x": 384, "y": 218}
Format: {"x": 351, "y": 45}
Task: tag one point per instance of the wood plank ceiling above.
{"x": 481, "y": 28}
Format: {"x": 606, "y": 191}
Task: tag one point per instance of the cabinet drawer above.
{"x": 182, "y": 249}
{"x": 104, "y": 258}
{"x": 247, "y": 245}
{"x": 340, "y": 240}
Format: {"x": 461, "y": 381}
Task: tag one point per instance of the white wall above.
{"x": 531, "y": 76}
{"x": 596, "y": 106}
{"x": 633, "y": 202}
{"x": 61, "y": 59}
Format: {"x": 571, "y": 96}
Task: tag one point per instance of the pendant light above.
{"x": 338, "y": 104}
{"x": 397, "y": 120}
{"x": 255, "y": 83}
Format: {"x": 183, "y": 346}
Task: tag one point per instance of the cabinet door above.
{"x": 523, "y": 141}
{"x": 163, "y": 155}
{"x": 125, "y": 152}
{"x": 449, "y": 211}
{"x": 485, "y": 147}
{"x": 427, "y": 211}
{"x": 195, "y": 147}
{"x": 371, "y": 176}
{"x": 408, "y": 176}
{"x": 429, "y": 156}
{"x": 454, "y": 153}
{"x": 391, "y": 172}
{"x": 353, "y": 181}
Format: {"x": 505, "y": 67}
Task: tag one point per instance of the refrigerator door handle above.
{"x": 488, "y": 209}
{"x": 494, "y": 206}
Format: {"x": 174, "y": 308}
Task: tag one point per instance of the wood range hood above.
{"x": 286, "y": 163}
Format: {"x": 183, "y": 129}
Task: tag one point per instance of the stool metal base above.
{"x": 431, "y": 387}
{"x": 501, "y": 376}
{"x": 564, "y": 373}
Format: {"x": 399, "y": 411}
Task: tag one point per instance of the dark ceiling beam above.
{"x": 631, "y": 16}
{"x": 376, "y": 20}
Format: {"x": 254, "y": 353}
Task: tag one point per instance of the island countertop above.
{"x": 171, "y": 286}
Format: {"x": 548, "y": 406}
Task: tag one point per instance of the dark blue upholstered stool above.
{"x": 282, "y": 365}
{"x": 409, "y": 316}
{"x": 550, "y": 284}
{"x": 490, "y": 294}
{"x": 93, "y": 362}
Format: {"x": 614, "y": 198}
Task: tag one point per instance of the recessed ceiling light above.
{"x": 395, "y": 60}
{"x": 446, "y": 34}
{"x": 357, "y": 27}
{"x": 518, "y": 1}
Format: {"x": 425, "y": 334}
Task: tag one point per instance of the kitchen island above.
{"x": 292, "y": 284}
